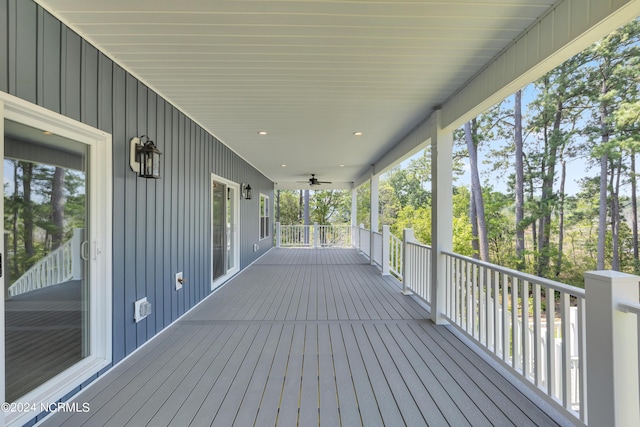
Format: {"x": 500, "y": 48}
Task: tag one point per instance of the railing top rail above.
{"x": 629, "y": 307}
{"x": 422, "y": 245}
{"x": 558, "y": 286}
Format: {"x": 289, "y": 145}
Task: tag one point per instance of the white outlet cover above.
{"x": 178, "y": 284}
{"x": 137, "y": 313}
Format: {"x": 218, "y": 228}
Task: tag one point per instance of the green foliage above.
{"x": 290, "y": 209}
{"x": 28, "y": 215}
{"x": 330, "y": 207}
{"x": 364, "y": 205}
{"x": 419, "y": 219}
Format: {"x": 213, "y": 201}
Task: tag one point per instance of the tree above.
{"x": 57, "y": 207}
{"x": 612, "y": 74}
{"x": 478, "y": 218}
{"x": 364, "y": 204}
{"x": 27, "y": 211}
{"x": 555, "y": 111}
{"x": 330, "y": 207}
{"x": 628, "y": 119}
{"x": 289, "y": 207}
{"x": 519, "y": 179}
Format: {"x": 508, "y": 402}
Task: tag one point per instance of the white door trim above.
{"x": 100, "y": 235}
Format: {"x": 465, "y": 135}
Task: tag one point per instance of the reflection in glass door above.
{"x": 218, "y": 229}
{"x": 231, "y": 195}
{"x": 224, "y": 235}
{"x": 46, "y": 294}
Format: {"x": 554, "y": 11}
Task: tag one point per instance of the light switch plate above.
{"x": 178, "y": 281}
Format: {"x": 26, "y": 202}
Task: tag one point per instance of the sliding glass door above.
{"x": 46, "y": 285}
{"x": 55, "y": 254}
{"x": 224, "y": 229}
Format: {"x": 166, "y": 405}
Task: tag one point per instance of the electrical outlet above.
{"x": 142, "y": 308}
{"x": 179, "y": 281}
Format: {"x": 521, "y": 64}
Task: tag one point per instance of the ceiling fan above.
{"x": 314, "y": 181}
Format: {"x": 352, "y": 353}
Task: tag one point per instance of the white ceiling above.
{"x": 310, "y": 73}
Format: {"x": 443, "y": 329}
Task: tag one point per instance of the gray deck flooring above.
{"x": 43, "y": 336}
{"x": 305, "y": 338}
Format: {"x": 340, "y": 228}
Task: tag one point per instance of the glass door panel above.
{"x": 218, "y": 229}
{"x": 225, "y": 254}
{"x": 46, "y": 280}
{"x": 231, "y": 195}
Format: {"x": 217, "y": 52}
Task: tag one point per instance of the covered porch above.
{"x": 306, "y": 337}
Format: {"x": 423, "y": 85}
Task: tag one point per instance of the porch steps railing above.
{"x": 61, "y": 265}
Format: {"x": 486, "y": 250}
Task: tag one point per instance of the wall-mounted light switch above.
{"x": 179, "y": 281}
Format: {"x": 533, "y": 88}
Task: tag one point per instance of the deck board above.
{"x": 305, "y": 337}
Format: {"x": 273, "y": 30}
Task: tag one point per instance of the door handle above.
{"x": 84, "y": 251}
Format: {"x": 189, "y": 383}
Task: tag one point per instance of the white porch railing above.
{"x": 395, "y": 256}
{"x": 593, "y": 342}
{"x": 333, "y": 235}
{"x": 417, "y": 270}
{"x": 313, "y": 235}
{"x": 293, "y": 235}
{"x": 365, "y": 241}
{"x": 612, "y": 350}
{"x": 509, "y": 312}
{"x": 386, "y": 248}
{"x": 62, "y": 265}
{"x": 376, "y": 248}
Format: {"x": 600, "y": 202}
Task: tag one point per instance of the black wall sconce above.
{"x": 246, "y": 191}
{"x": 145, "y": 157}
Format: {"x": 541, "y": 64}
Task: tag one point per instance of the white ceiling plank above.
{"x": 313, "y": 72}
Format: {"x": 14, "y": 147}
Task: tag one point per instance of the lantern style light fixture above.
{"x": 246, "y": 191}
{"x": 145, "y": 157}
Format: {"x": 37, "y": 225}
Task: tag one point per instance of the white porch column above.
{"x": 354, "y": 214}
{"x": 375, "y": 204}
{"x": 441, "y": 211}
{"x": 278, "y": 235}
{"x": 373, "y": 212}
{"x": 612, "y": 349}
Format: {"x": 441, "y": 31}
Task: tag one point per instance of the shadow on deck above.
{"x": 305, "y": 337}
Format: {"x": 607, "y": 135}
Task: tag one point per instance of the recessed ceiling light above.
{"x": 357, "y": 133}
{"x": 283, "y": 165}
{"x": 262, "y": 132}
{"x": 341, "y": 166}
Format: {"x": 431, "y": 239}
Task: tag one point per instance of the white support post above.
{"x": 612, "y": 350}
{"x": 386, "y": 260}
{"x": 375, "y": 204}
{"x": 360, "y": 228}
{"x": 407, "y": 236}
{"x": 316, "y": 235}
{"x": 278, "y": 235}
{"x": 441, "y": 212}
{"x": 373, "y": 213}
{"x": 354, "y": 215}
